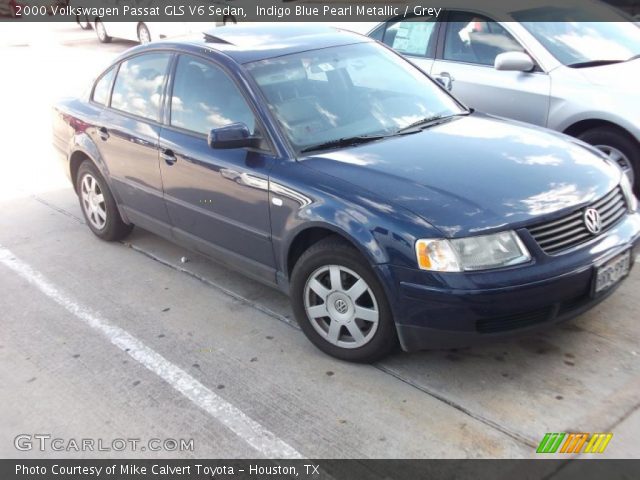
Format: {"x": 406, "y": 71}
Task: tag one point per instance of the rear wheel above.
{"x": 98, "y": 205}
{"x": 101, "y": 32}
{"x": 619, "y": 147}
{"x": 340, "y": 304}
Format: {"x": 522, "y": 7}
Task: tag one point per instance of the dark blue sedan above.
{"x": 324, "y": 164}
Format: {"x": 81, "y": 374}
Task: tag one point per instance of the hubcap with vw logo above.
{"x": 341, "y": 306}
{"x": 592, "y": 220}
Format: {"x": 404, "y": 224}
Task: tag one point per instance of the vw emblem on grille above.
{"x": 592, "y": 220}
{"x": 341, "y": 306}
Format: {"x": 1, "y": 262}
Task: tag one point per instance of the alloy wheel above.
{"x": 341, "y": 306}
{"x": 93, "y": 203}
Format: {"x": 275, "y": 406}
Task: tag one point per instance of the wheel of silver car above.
{"x": 620, "y": 147}
{"x": 101, "y": 32}
{"x": 93, "y": 201}
{"x": 620, "y": 158}
{"x": 341, "y": 306}
{"x": 340, "y": 303}
{"x": 143, "y": 34}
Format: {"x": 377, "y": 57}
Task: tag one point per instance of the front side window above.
{"x": 473, "y": 38}
{"x": 410, "y": 37}
{"x": 139, "y": 83}
{"x": 103, "y": 88}
{"x": 342, "y": 92}
{"x": 204, "y": 97}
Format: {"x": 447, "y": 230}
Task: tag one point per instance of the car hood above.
{"x": 618, "y": 76}
{"x": 475, "y": 173}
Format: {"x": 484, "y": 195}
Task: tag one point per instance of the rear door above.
{"x": 218, "y": 200}
{"x": 469, "y": 45}
{"x": 129, "y": 132}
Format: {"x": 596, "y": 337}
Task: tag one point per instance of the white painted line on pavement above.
{"x": 233, "y": 418}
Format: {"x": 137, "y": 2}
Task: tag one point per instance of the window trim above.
{"x": 166, "y": 118}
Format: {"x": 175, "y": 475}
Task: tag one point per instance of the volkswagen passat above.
{"x": 326, "y": 165}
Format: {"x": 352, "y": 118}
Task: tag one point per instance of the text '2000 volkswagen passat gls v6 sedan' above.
{"x": 325, "y": 164}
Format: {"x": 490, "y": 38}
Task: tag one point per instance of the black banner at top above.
{"x": 236, "y": 11}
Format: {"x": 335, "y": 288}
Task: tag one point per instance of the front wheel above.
{"x": 619, "y": 147}
{"x": 340, "y": 304}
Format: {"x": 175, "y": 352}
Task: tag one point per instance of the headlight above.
{"x": 473, "y": 253}
{"x": 627, "y": 189}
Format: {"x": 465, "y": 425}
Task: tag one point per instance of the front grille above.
{"x": 570, "y": 231}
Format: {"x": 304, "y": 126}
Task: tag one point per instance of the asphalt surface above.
{"x": 123, "y": 340}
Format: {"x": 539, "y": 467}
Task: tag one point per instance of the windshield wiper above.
{"x": 342, "y": 142}
{"x": 594, "y": 63}
{"x": 427, "y": 122}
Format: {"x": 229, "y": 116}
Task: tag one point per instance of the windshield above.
{"x": 340, "y": 93}
{"x": 574, "y": 41}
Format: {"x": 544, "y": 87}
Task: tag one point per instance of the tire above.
{"x": 614, "y": 143}
{"x": 83, "y": 22}
{"x": 109, "y": 225}
{"x": 144, "y": 36}
{"x": 318, "y": 264}
{"x": 101, "y": 32}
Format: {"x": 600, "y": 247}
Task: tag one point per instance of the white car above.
{"x": 145, "y": 32}
{"x": 580, "y": 78}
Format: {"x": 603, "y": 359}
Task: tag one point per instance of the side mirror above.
{"x": 514, "y": 62}
{"x": 236, "y": 135}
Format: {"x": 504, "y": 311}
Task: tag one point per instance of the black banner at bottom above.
{"x": 317, "y": 469}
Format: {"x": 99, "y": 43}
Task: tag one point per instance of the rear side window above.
{"x": 139, "y": 84}
{"x": 103, "y": 88}
{"x": 204, "y": 97}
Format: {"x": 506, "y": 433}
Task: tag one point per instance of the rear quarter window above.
{"x": 102, "y": 89}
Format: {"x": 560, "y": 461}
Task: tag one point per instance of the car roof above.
{"x": 253, "y": 42}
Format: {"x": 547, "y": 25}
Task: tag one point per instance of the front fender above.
{"x": 382, "y": 232}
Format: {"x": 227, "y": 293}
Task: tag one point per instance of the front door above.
{"x": 471, "y": 44}
{"x": 218, "y": 200}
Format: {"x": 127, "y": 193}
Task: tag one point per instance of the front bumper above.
{"x": 462, "y": 309}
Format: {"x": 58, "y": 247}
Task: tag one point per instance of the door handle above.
{"x": 445, "y": 79}
{"x": 168, "y": 156}
{"x": 103, "y": 133}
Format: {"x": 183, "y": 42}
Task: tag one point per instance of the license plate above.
{"x": 612, "y": 272}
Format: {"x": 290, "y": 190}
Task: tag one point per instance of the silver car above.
{"x": 580, "y": 78}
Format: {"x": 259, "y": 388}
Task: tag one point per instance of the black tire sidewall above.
{"x": 383, "y": 341}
